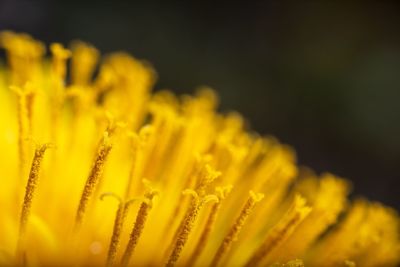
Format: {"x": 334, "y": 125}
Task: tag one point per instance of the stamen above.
{"x": 328, "y": 202}
{"x": 120, "y": 217}
{"x": 208, "y": 177}
{"x": 276, "y": 236}
{"x": 139, "y": 226}
{"x": 23, "y": 125}
{"x": 84, "y": 60}
{"x": 235, "y": 230}
{"x": 93, "y": 179}
{"x": 113, "y": 123}
{"x": 188, "y": 223}
{"x": 30, "y": 190}
{"x": 60, "y": 56}
{"x": 23, "y": 55}
{"x": 293, "y": 263}
{"x": 135, "y": 148}
{"x": 185, "y": 228}
{"x": 195, "y": 174}
{"x": 222, "y": 192}
{"x": 205, "y": 175}
{"x": 30, "y": 98}
{"x": 348, "y": 263}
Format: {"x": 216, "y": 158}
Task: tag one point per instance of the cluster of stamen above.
{"x": 192, "y": 187}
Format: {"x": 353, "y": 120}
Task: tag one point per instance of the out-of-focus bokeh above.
{"x": 322, "y": 77}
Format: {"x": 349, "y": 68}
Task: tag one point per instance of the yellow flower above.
{"x": 97, "y": 170}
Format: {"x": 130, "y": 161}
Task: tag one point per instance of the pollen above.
{"x": 142, "y": 178}
{"x": 30, "y": 190}
{"x": 93, "y": 179}
{"x": 141, "y": 218}
{"x": 237, "y": 226}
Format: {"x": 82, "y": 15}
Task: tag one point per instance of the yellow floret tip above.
{"x": 190, "y": 186}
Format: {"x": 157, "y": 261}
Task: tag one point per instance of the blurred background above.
{"x": 322, "y": 77}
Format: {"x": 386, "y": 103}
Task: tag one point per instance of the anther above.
{"x": 30, "y": 190}
{"x": 285, "y": 227}
{"x": 138, "y": 227}
{"x": 60, "y": 56}
{"x": 118, "y": 225}
{"x": 236, "y": 227}
{"x": 93, "y": 179}
{"x": 188, "y": 222}
{"x": 84, "y": 60}
{"x": 23, "y": 126}
{"x": 212, "y": 216}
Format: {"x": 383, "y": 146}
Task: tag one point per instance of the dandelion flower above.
{"x": 96, "y": 170}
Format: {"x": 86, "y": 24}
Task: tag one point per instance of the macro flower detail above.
{"x": 99, "y": 171}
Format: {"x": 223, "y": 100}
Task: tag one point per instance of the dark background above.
{"x": 322, "y": 77}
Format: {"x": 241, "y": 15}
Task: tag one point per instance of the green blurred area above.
{"x": 322, "y": 77}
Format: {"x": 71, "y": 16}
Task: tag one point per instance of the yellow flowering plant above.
{"x": 96, "y": 170}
